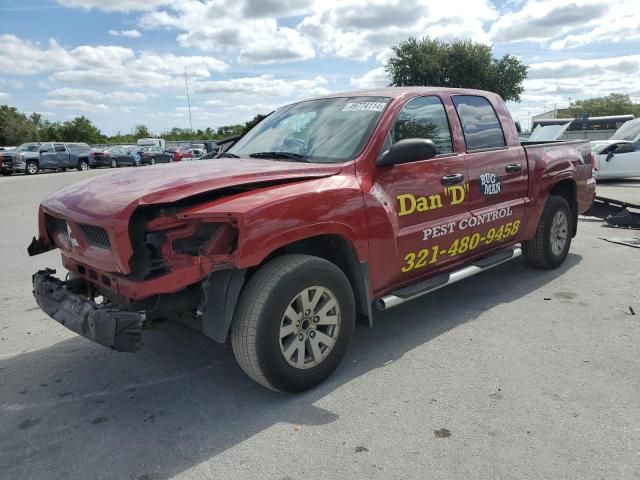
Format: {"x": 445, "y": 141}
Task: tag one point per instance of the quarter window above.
{"x": 424, "y": 117}
{"x": 479, "y": 122}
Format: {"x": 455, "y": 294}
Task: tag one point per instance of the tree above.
{"x": 141, "y": 131}
{"x": 459, "y": 64}
{"x": 80, "y": 129}
{"x": 253, "y": 122}
{"x": 15, "y": 127}
{"x": 612, "y": 104}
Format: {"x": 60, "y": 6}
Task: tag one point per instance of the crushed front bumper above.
{"x": 105, "y": 324}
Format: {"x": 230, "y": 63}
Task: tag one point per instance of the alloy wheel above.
{"x": 310, "y": 327}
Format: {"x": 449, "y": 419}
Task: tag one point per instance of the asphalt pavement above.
{"x": 515, "y": 373}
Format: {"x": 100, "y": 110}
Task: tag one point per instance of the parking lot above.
{"x": 516, "y": 373}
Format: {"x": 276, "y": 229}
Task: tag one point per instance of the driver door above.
{"x": 428, "y": 198}
{"x": 47, "y": 156}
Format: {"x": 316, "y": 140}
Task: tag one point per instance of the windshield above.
{"x": 27, "y": 147}
{"x": 629, "y": 131}
{"x": 329, "y": 130}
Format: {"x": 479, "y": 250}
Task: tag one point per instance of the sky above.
{"x": 122, "y": 62}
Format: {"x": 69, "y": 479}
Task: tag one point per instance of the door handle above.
{"x": 513, "y": 168}
{"x": 452, "y": 179}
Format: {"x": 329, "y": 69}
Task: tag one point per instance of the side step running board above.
{"x": 435, "y": 283}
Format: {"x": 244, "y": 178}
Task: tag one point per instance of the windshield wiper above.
{"x": 228, "y": 155}
{"x": 280, "y": 155}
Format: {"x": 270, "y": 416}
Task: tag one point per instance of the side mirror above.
{"x": 406, "y": 151}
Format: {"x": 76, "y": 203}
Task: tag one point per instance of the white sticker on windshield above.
{"x": 364, "y": 107}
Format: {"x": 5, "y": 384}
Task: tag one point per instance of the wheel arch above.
{"x": 567, "y": 189}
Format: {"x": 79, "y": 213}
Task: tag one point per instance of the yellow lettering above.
{"x": 422, "y": 205}
{"x": 404, "y": 208}
{"x": 436, "y": 201}
{"x": 457, "y": 194}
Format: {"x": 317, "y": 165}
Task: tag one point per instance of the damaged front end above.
{"x": 68, "y": 303}
{"x": 179, "y": 268}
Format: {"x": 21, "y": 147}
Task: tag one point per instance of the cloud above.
{"x": 4, "y": 95}
{"x": 77, "y": 105}
{"x": 547, "y": 19}
{"x": 23, "y": 57}
{"x": 264, "y": 86}
{"x": 103, "y": 64}
{"x": 96, "y": 96}
{"x": 240, "y": 27}
{"x": 125, "y": 33}
{"x": 113, "y": 5}
{"x": 360, "y": 29}
{"x": 375, "y": 78}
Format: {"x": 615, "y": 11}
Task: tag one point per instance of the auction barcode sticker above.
{"x": 364, "y": 107}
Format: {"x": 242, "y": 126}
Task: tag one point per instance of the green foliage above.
{"x": 17, "y": 128}
{"x": 612, "y": 104}
{"x": 14, "y": 126}
{"x": 459, "y": 64}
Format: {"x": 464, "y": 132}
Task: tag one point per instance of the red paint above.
{"x": 355, "y": 200}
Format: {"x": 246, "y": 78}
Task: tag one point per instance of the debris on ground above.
{"x": 615, "y": 213}
{"x": 442, "y": 433}
{"x": 628, "y": 241}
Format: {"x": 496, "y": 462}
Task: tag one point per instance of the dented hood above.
{"x": 111, "y": 198}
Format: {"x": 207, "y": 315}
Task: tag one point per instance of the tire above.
{"x": 31, "y": 168}
{"x": 83, "y": 166}
{"x": 550, "y": 246}
{"x": 153, "y": 160}
{"x": 6, "y": 173}
{"x": 114, "y": 163}
{"x": 273, "y": 360}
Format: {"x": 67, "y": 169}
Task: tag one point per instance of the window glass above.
{"x": 479, "y": 122}
{"x": 424, "y": 117}
{"x": 59, "y": 147}
{"x": 327, "y": 130}
{"x": 47, "y": 147}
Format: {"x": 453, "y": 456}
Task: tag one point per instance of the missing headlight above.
{"x": 193, "y": 245}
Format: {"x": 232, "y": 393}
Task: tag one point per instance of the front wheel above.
{"x": 32, "y": 168}
{"x": 550, "y": 246}
{"x": 153, "y": 160}
{"x": 114, "y": 163}
{"x": 293, "y": 323}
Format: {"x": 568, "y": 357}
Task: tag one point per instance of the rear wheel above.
{"x": 153, "y": 160}
{"x": 552, "y": 241}
{"x": 83, "y": 165}
{"x": 32, "y": 168}
{"x": 293, "y": 323}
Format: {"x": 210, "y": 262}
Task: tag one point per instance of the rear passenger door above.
{"x": 498, "y": 174}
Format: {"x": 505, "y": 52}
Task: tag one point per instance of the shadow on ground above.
{"x": 77, "y": 410}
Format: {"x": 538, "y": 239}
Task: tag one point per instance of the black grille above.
{"x": 97, "y": 236}
{"x": 55, "y": 225}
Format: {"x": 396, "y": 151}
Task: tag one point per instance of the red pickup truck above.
{"x": 325, "y": 210}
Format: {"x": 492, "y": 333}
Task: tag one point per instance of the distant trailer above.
{"x": 612, "y": 122}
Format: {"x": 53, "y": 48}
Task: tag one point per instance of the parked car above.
{"x": 179, "y": 153}
{"x": 153, "y": 155}
{"x": 618, "y": 157}
{"x": 197, "y": 152}
{"x": 14, "y": 161}
{"x": 324, "y": 210}
{"x": 121, "y": 156}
